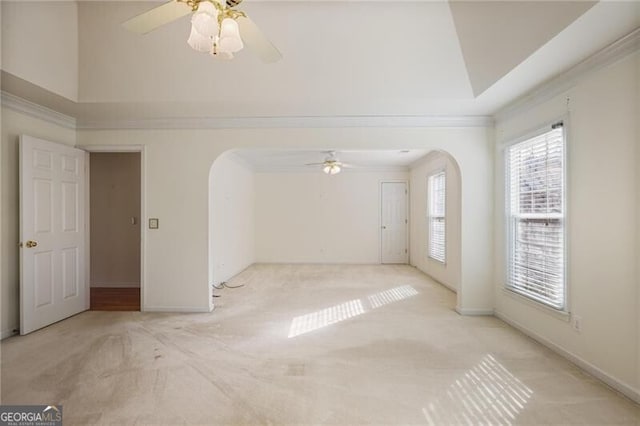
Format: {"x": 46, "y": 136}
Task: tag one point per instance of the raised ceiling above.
{"x": 341, "y": 59}
{"x": 495, "y": 37}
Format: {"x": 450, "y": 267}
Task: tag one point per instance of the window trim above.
{"x": 565, "y": 311}
{"x": 433, "y": 173}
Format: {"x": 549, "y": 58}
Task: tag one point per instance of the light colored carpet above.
{"x": 305, "y": 344}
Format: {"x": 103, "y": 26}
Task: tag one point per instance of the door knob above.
{"x": 384, "y": 227}
{"x": 31, "y": 244}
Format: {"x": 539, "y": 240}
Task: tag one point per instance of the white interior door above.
{"x": 52, "y": 233}
{"x": 394, "y": 222}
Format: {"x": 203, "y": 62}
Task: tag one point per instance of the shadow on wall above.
{"x": 231, "y": 218}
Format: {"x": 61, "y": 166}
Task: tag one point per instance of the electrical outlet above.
{"x": 576, "y": 322}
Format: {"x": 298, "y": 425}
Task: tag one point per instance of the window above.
{"x": 536, "y": 217}
{"x": 437, "y": 196}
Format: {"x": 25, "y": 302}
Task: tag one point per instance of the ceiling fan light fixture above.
{"x": 205, "y": 19}
{"x": 331, "y": 169}
{"x": 230, "y": 40}
{"x": 199, "y": 42}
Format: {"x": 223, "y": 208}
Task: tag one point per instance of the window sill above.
{"x": 561, "y": 315}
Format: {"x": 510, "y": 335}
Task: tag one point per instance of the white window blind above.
{"x": 437, "y": 196}
{"x": 536, "y": 192}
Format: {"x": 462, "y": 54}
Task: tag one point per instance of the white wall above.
{"x": 449, "y": 272}
{"x": 637, "y": 109}
{"x": 40, "y": 44}
{"x": 602, "y": 220}
{"x": 14, "y": 124}
{"x": 177, "y": 189}
{"x": 232, "y": 213}
{"x": 310, "y": 217}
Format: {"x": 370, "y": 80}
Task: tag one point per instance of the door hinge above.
{"x": 405, "y": 251}
{"x": 406, "y": 221}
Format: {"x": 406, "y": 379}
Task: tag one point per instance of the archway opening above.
{"x": 277, "y": 206}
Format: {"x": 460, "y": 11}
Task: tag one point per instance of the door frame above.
{"x": 143, "y": 210}
{"x": 408, "y": 206}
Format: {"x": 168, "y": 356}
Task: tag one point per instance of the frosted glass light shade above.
{"x": 205, "y": 19}
{"x": 199, "y": 42}
{"x": 230, "y": 40}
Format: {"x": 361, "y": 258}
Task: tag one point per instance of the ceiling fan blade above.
{"x": 314, "y": 164}
{"x": 253, "y": 37}
{"x": 158, "y": 16}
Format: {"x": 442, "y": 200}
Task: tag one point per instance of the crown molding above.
{"x": 561, "y": 83}
{"x": 34, "y": 110}
{"x": 290, "y": 122}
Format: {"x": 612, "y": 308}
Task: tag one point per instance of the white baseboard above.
{"x": 450, "y": 287}
{"x": 475, "y": 312}
{"x": 177, "y": 309}
{"x": 625, "y": 389}
{"x": 116, "y": 285}
{"x": 228, "y": 277}
{"x": 7, "y": 333}
{"x": 442, "y": 283}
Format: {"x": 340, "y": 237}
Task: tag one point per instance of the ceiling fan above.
{"x": 331, "y": 165}
{"x": 216, "y": 27}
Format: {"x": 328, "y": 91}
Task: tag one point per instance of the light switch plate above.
{"x": 154, "y": 223}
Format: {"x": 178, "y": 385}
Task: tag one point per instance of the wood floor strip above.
{"x": 115, "y": 299}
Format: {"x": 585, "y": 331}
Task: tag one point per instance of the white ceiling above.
{"x": 296, "y": 160}
{"x": 341, "y": 59}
